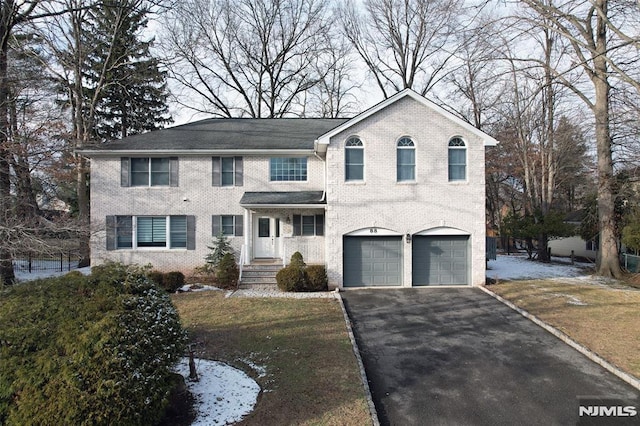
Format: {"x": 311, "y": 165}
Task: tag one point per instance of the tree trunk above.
{"x": 7, "y": 275}
{"x": 608, "y": 261}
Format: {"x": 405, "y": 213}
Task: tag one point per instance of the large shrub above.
{"x": 316, "y": 278}
{"x": 290, "y": 278}
{"x": 227, "y": 273}
{"x": 87, "y": 350}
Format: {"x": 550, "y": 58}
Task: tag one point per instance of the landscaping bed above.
{"x": 297, "y": 350}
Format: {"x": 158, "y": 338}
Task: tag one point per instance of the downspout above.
{"x": 315, "y": 152}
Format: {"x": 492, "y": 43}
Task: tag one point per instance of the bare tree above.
{"x": 404, "y": 43}
{"x": 247, "y": 57}
{"x": 603, "y": 38}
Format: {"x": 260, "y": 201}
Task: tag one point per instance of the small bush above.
{"x": 290, "y": 278}
{"x": 220, "y": 247}
{"x": 227, "y": 272}
{"x": 296, "y": 260}
{"x": 172, "y": 281}
{"x": 156, "y": 277}
{"x": 316, "y": 278}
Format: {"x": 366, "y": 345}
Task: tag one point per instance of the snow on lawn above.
{"x": 518, "y": 267}
{"x": 23, "y": 275}
{"x": 223, "y": 395}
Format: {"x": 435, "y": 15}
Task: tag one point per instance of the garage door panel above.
{"x": 372, "y": 261}
{"x": 440, "y": 260}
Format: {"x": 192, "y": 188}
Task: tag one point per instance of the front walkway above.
{"x": 460, "y": 357}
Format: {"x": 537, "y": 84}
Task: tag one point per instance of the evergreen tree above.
{"x": 134, "y": 100}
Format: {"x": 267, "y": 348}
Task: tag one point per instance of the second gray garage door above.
{"x": 372, "y": 261}
{"x": 440, "y": 260}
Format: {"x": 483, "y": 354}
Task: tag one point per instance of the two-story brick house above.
{"x": 392, "y": 197}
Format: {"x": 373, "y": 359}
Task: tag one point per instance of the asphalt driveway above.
{"x": 460, "y": 357}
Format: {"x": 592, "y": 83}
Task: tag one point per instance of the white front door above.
{"x": 265, "y": 237}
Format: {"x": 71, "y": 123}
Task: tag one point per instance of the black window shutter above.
{"x": 124, "y": 171}
{"x": 320, "y": 224}
{"x": 238, "y": 171}
{"x": 173, "y": 171}
{"x": 216, "y": 179}
{"x": 239, "y": 225}
{"x": 111, "y": 232}
{"x": 297, "y": 225}
{"x": 191, "y": 232}
{"x": 215, "y": 225}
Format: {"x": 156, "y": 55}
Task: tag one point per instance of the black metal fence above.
{"x": 59, "y": 262}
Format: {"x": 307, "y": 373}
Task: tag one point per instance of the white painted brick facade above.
{"x": 379, "y": 201}
{"x": 405, "y": 208}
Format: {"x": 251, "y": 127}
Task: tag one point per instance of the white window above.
{"x": 151, "y": 231}
{"x": 406, "y": 160}
{"x": 288, "y": 169}
{"x": 354, "y": 159}
{"x": 457, "y": 160}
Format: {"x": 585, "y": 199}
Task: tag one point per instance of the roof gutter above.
{"x": 188, "y": 152}
{"x": 315, "y": 152}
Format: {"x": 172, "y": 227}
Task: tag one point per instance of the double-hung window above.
{"x": 149, "y": 231}
{"x": 308, "y": 225}
{"x": 288, "y": 169}
{"x": 227, "y": 171}
{"x": 228, "y": 225}
{"x": 354, "y": 159}
{"x": 406, "y": 160}
{"x": 149, "y": 171}
{"x": 457, "y": 160}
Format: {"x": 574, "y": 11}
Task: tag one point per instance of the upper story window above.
{"x": 406, "y": 160}
{"x": 227, "y": 171}
{"x": 148, "y": 171}
{"x": 457, "y": 160}
{"x": 354, "y": 159}
{"x": 288, "y": 169}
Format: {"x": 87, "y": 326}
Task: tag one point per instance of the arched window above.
{"x": 354, "y": 159}
{"x": 457, "y": 160}
{"x": 406, "y": 160}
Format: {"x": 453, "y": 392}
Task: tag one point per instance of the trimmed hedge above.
{"x": 298, "y": 277}
{"x": 87, "y": 350}
{"x": 170, "y": 281}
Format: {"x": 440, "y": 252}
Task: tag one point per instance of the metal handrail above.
{"x": 241, "y": 261}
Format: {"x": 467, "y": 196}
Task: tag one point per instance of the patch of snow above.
{"x": 282, "y": 294}
{"x": 23, "y": 275}
{"x": 198, "y": 287}
{"x": 518, "y": 267}
{"x": 223, "y": 395}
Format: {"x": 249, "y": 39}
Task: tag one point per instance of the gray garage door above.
{"x": 440, "y": 260}
{"x": 372, "y": 261}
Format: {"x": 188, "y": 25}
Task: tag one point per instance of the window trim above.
{"x": 237, "y": 174}
{"x": 353, "y": 143}
{"x": 305, "y": 166}
{"x": 408, "y": 144}
{"x": 457, "y": 143}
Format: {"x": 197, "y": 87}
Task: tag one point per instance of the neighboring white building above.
{"x": 392, "y": 197}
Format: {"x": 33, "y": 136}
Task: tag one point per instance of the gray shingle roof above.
{"x": 289, "y": 197}
{"x": 231, "y": 133}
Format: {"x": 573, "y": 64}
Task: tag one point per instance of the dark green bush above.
{"x": 172, "y": 281}
{"x": 87, "y": 350}
{"x": 316, "y": 278}
{"x": 227, "y": 273}
{"x": 156, "y": 277}
{"x": 296, "y": 260}
{"x": 290, "y": 278}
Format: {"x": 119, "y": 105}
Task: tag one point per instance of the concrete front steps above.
{"x": 260, "y": 275}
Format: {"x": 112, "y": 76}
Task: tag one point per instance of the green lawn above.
{"x": 297, "y": 350}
